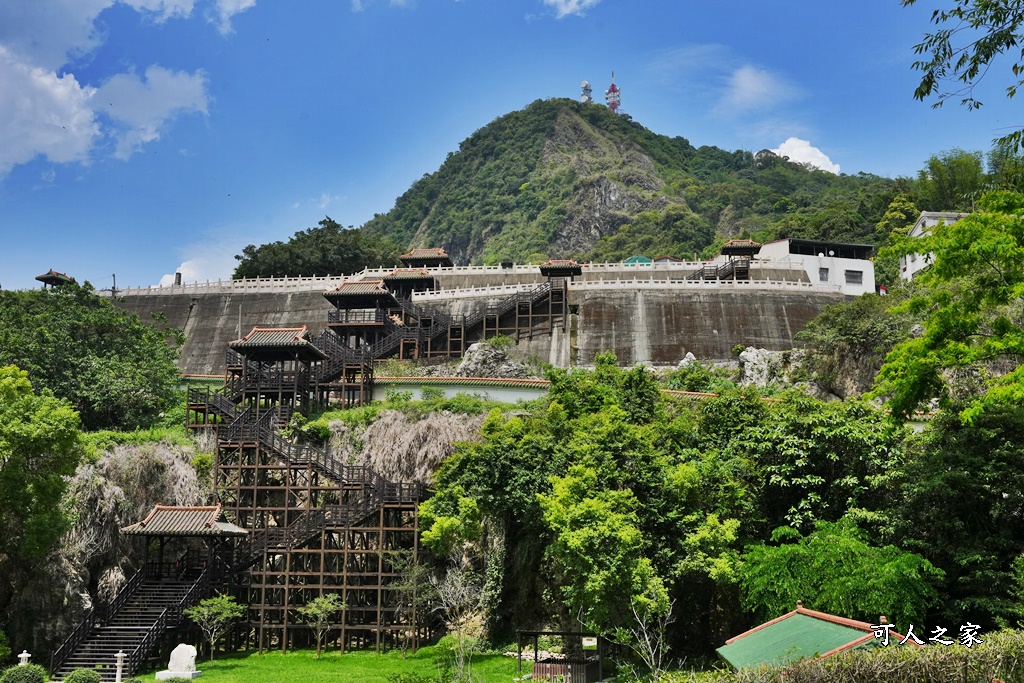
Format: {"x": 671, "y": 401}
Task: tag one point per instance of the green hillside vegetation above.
{"x": 116, "y": 371}
{"x": 562, "y": 179}
{"x": 525, "y": 184}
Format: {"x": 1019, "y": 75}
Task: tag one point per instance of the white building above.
{"x": 845, "y": 266}
{"x": 912, "y": 263}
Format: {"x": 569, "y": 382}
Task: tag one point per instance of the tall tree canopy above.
{"x": 39, "y": 448}
{"x": 114, "y": 370}
{"x": 973, "y": 339}
{"x": 330, "y": 249}
{"x": 959, "y": 53}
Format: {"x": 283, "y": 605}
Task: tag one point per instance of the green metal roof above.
{"x": 638, "y": 259}
{"x": 800, "y": 634}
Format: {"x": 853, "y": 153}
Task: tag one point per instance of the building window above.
{"x": 855, "y": 277}
{"x": 823, "y": 274}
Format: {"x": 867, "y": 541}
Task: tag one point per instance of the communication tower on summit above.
{"x": 613, "y": 96}
{"x": 588, "y": 93}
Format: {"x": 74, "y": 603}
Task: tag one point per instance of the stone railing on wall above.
{"x": 469, "y": 292}
{"x": 633, "y": 272}
{"x": 266, "y": 284}
{"x": 693, "y": 285}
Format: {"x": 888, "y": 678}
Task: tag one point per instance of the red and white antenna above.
{"x": 613, "y": 96}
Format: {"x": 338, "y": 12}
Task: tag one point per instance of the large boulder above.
{"x": 487, "y": 360}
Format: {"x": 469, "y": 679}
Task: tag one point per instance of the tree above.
{"x": 318, "y": 613}
{"x": 39, "y": 449}
{"x": 415, "y": 596}
{"x": 971, "y": 301}
{"x": 958, "y": 55}
{"x": 835, "y": 569}
{"x": 898, "y": 220}
{"x": 460, "y": 598}
{"x": 117, "y": 372}
{"x": 330, "y": 249}
{"x": 951, "y": 181}
{"x": 213, "y": 616}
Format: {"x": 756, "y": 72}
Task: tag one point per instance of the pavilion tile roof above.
{"x": 741, "y": 247}
{"x": 742, "y": 243}
{"x": 359, "y": 287}
{"x": 408, "y": 274}
{"x": 292, "y": 338}
{"x": 433, "y": 253}
{"x": 560, "y": 267}
{"x": 197, "y": 520}
{"x": 800, "y": 634}
{"x": 52, "y": 277}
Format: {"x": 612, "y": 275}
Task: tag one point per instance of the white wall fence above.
{"x": 631, "y": 274}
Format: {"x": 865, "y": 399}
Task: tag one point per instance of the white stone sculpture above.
{"x": 182, "y": 664}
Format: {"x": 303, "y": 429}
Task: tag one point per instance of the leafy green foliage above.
{"x": 213, "y": 616}
{"x": 39, "y": 447}
{"x": 950, "y": 181}
{"x": 83, "y": 676}
{"x": 969, "y": 36}
{"x": 961, "y": 492}
{"x": 5, "y": 647}
{"x": 116, "y": 371}
{"x": 329, "y": 249}
{"x": 834, "y": 569}
{"x": 320, "y": 614}
{"x": 30, "y": 673}
{"x": 972, "y": 310}
{"x": 515, "y": 184}
{"x": 896, "y": 223}
{"x": 848, "y": 337}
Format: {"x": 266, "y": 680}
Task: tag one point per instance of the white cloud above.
{"x": 564, "y": 8}
{"x": 229, "y": 8}
{"x": 750, "y": 88}
{"x": 140, "y": 109}
{"x": 802, "y": 151}
{"x": 42, "y": 114}
{"x": 45, "y": 110}
{"x": 163, "y": 9}
{"x": 212, "y": 259}
{"x": 210, "y": 265}
{"x": 46, "y": 33}
{"x": 325, "y": 200}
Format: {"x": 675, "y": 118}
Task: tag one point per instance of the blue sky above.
{"x": 141, "y": 137}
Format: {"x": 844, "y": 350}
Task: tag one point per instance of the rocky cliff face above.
{"x": 615, "y": 180}
{"x": 401, "y": 448}
{"x": 94, "y": 559}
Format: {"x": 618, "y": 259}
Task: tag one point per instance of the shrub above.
{"x": 393, "y": 395}
{"x": 83, "y": 676}
{"x": 30, "y": 673}
{"x": 5, "y": 647}
{"x": 431, "y": 393}
{"x": 501, "y": 342}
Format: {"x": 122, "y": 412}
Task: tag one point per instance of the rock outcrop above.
{"x": 487, "y": 360}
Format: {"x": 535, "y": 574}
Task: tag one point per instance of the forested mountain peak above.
{"x": 564, "y": 179}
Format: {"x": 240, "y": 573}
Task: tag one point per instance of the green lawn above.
{"x": 358, "y": 667}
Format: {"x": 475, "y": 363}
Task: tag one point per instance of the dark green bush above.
{"x": 30, "y": 673}
{"x": 83, "y": 676}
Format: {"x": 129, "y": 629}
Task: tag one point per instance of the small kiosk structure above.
{"x": 582, "y": 660}
{"x": 804, "y": 634}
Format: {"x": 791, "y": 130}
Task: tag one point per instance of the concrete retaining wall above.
{"x": 639, "y": 325}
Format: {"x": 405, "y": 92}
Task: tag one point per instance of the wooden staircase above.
{"x": 137, "y": 619}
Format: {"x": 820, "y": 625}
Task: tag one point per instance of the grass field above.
{"x": 301, "y": 666}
